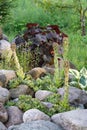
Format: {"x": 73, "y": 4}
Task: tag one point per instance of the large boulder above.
{"x": 34, "y": 114}
{"x": 42, "y": 94}
{"x": 36, "y": 125}
{"x": 15, "y": 116}
{"x": 3, "y": 113}
{"x": 20, "y": 90}
{"x": 2, "y": 127}
{"x": 5, "y": 50}
{"x": 4, "y": 95}
{"x": 76, "y": 96}
{"x": 5, "y": 76}
{"x": 72, "y": 120}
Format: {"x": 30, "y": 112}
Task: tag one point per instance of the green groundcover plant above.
{"x": 44, "y": 83}
{"x": 26, "y": 102}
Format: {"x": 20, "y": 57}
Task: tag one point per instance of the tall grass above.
{"x": 78, "y": 50}
{"x": 25, "y": 11}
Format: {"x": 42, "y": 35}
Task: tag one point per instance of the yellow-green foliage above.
{"x": 18, "y": 68}
{"x": 65, "y": 102}
{"x": 5, "y": 59}
{"x": 44, "y": 83}
{"x": 28, "y": 59}
{"x": 54, "y": 98}
{"x": 26, "y": 102}
{"x": 14, "y": 82}
{"x": 58, "y": 74}
{"x": 6, "y": 54}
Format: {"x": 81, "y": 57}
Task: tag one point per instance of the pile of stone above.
{"x": 12, "y": 118}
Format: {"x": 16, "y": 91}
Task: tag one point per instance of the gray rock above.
{"x": 31, "y": 92}
{"x": 34, "y": 114}
{"x": 76, "y": 95}
{"x": 47, "y": 104}
{"x": 4, "y": 95}
{"x": 42, "y": 94}
{"x": 3, "y": 113}
{"x": 15, "y": 116}
{"x": 49, "y": 70}
{"x": 5, "y": 50}
{"x": 6, "y": 75}
{"x": 36, "y": 125}
{"x": 20, "y": 90}
{"x": 83, "y": 97}
{"x": 2, "y": 79}
{"x": 2, "y": 127}
{"x": 4, "y": 45}
{"x": 72, "y": 120}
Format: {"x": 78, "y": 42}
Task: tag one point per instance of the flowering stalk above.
{"x": 57, "y": 76}
{"x": 19, "y": 69}
{"x": 66, "y": 71}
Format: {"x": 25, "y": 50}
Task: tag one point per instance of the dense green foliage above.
{"x": 26, "y": 102}
{"x": 25, "y": 12}
{"x": 28, "y": 11}
{"x": 45, "y": 83}
{"x": 5, "y": 7}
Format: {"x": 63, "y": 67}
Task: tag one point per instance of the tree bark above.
{"x": 83, "y": 22}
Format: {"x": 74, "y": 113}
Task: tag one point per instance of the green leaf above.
{"x": 75, "y": 73}
{"x": 82, "y": 86}
{"x": 83, "y": 71}
{"x": 83, "y": 80}
{"x": 73, "y": 83}
{"x": 86, "y": 14}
